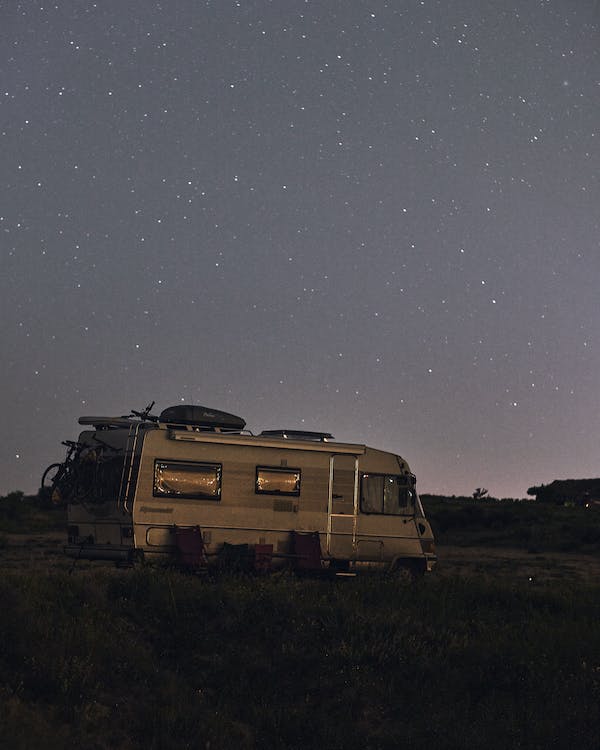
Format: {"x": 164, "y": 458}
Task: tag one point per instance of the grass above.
{"x": 151, "y": 658}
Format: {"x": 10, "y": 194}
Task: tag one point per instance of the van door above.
{"x": 342, "y": 510}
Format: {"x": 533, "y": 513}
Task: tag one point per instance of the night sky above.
{"x": 377, "y": 219}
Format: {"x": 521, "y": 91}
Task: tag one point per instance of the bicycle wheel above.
{"x": 51, "y": 479}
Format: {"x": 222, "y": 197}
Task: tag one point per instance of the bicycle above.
{"x": 60, "y": 481}
{"x": 82, "y": 475}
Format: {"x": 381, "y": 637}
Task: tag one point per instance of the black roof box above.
{"x": 201, "y": 416}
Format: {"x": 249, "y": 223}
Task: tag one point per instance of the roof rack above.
{"x": 104, "y": 423}
{"x": 182, "y": 416}
{"x": 321, "y": 437}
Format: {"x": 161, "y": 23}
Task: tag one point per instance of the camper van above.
{"x": 136, "y": 486}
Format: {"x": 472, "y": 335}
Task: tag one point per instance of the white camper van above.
{"x": 136, "y": 485}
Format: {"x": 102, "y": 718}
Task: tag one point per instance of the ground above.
{"x": 45, "y": 551}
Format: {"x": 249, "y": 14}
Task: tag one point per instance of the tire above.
{"x": 405, "y": 571}
{"x": 404, "y": 574}
{"x": 51, "y": 478}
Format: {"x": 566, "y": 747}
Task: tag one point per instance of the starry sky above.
{"x": 377, "y": 219}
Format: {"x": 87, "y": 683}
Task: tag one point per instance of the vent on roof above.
{"x": 298, "y": 435}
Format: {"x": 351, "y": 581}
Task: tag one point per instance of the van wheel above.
{"x": 403, "y": 571}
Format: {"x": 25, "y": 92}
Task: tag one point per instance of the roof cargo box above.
{"x": 201, "y": 416}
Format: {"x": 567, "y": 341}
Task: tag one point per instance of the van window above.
{"x": 387, "y": 494}
{"x": 187, "y": 479}
{"x": 276, "y": 481}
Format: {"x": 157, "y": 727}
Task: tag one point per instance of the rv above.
{"x": 136, "y": 485}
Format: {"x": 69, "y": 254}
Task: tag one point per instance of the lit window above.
{"x": 275, "y": 481}
{"x": 188, "y": 480}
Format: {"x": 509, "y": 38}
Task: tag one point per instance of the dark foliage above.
{"x": 20, "y": 513}
{"x": 526, "y": 525}
{"x": 568, "y": 492}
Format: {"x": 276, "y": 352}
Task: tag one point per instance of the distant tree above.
{"x": 480, "y": 493}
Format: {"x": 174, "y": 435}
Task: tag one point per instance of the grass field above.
{"x": 100, "y": 657}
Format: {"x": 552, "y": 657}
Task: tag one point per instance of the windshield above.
{"x": 387, "y": 494}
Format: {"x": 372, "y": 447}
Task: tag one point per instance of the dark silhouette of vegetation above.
{"x": 568, "y": 492}
{"x": 20, "y": 513}
{"x": 527, "y": 525}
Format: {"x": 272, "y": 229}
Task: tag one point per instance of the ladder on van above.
{"x": 340, "y": 526}
{"x": 130, "y": 457}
